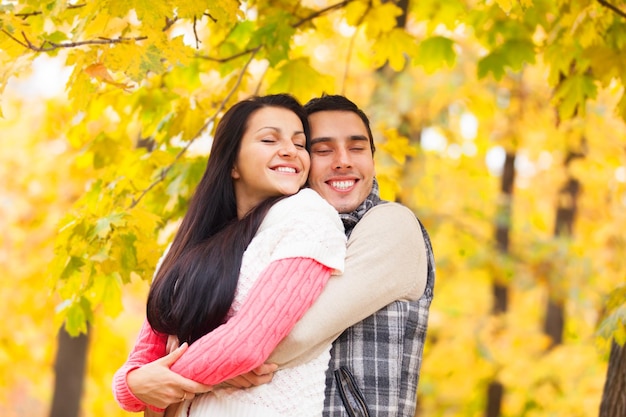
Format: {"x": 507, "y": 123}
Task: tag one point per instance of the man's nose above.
{"x": 342, "y": 159}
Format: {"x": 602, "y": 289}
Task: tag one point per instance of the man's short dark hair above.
{"x": 329, "y": 102}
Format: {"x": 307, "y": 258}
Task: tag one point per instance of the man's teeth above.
{"x": 286, "y": 169}
{"x": 342, "y": 185}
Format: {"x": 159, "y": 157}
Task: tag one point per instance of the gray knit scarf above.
{"x": 351, "y": 219}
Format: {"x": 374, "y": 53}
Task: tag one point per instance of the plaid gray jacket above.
{"x": 375, "y": 364}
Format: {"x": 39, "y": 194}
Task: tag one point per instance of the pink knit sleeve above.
{"x": 149, "y": 347}
{"x": 278, "y": 299}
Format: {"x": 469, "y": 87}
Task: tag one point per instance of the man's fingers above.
{"x": 172, "y": 344}
{"x": 250, "y": 379}
{"x": 238, "y": 382}
{"x": 266, "y": 368}
{"x": 256, "y": 380}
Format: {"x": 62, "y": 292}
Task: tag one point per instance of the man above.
{"x": 382, "y": 299}
{"x": 389, "y": 271}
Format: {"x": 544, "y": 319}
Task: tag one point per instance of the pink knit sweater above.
{"x": 278, "y": 299}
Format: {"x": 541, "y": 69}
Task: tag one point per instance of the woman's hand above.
{"x": 156, "y": 385}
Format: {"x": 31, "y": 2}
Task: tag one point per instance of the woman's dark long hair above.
{"x": 195, "y": 285}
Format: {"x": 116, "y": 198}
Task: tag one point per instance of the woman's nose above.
{"x": 288, "y": 149}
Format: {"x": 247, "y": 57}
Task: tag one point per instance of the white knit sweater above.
{"x": 303, "y": 225}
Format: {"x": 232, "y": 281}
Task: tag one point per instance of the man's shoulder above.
{"x": 389, "y": 223}
{"x": 391, "y": 213}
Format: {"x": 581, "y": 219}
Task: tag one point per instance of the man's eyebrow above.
{"x": 325, "y": 139}
{"x": 359, "y": 137}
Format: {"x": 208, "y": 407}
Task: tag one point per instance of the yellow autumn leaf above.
{"x": 355, "y": 11}
{"x": 397, "y": 146}
{"x": 505, "y": 5}
{"x": 153, "y": 14}
{"x": 396, "y": 47}
{"x": 381, "y": 19}
{"x": 104, "y": 25}
{"x": 387, "y": 178}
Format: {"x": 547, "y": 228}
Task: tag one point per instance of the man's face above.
{"x": 342, "y": 164}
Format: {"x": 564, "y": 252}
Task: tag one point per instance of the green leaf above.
{"x": 514, "y": 53}
{"x": 300, "y": 79}
{"x": 73, "y": 265}
{"x": 276, "y": 35}
{"x": 107, "y": 291}
{"x": 57, "y": 36}
{"x": 128, "y": 259}
{"x": 493, "y": 63}
{"x": 435, "y": 52}
{"x": 76, "y": 317}
{"x": 242, "y": 33}
{"x": 151, "y": 60}
{"x": 572, "y": 94}
{"x": 613, "y": 326}
{"x": 104, "y": 225}
{"x": 619, "y": 335}
{"x": 518, "y": 52}
{"x": 621, "y": 106}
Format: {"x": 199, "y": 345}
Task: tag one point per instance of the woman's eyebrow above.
{"x": 278, "y": 130}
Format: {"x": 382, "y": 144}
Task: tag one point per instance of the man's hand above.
{"x": 155, "y": 384}
{"x": 258, "y": 376}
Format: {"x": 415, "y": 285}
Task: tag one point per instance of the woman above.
{"x": 244, "y": 266}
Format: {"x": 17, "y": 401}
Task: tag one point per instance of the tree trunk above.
{"x": 614, "y": 395}
{"x": 69, "y": 368}
{"x": 495, "y": 390}
{"x": 563, "y": 226}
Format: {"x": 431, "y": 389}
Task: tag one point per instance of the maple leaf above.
{"x": 434, "y": 52}
{"x": 100, "y": 72}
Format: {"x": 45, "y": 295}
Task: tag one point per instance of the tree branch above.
{"x": 321, "y": 12}
{"x": 169, "y": 22}
{"x": 195, "y": 32}
{"x": 210, "y": 17}
{"x": 54, "y": 45}
{"x": 25, "y": 16}
{"x": 230, "y": 58}
{"x": 164, "y": 171}
{"x": 613, "y": 8}
{"x": 295, "y": 25}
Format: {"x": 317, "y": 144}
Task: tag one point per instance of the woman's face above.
{"x": 272, "y": 158}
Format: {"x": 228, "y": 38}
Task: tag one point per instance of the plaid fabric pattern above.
{"x": 351, "y": 219}
{"x": 383, "y": 352}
